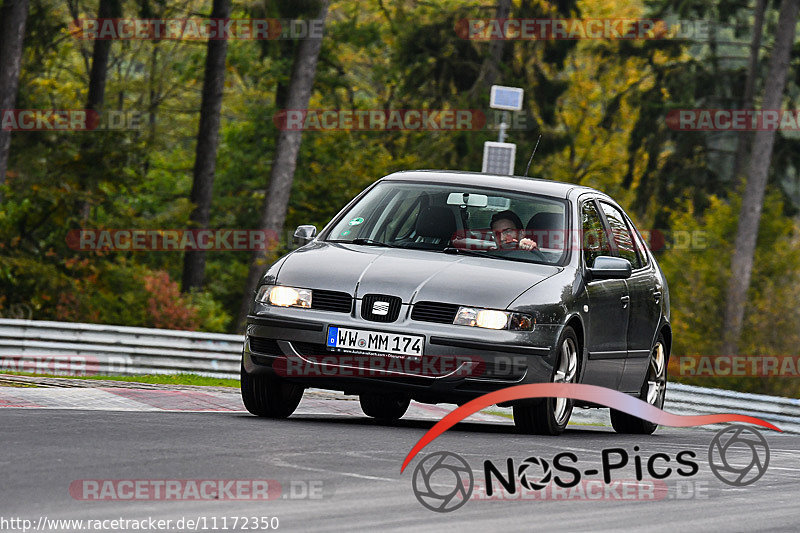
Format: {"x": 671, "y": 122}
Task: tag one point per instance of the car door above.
{"x": 607, "y": 317}
{"x": 644, "y": 298}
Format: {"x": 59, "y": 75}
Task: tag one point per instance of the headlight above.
{"x": 284, "y": 296}
{"x": 492, "y": 319}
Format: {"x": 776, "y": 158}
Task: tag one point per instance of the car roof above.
{"x": 557, "y": 189}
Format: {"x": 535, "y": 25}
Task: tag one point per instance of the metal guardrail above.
{"x": 692, "y": 400}
{"x": 68, "y": 348}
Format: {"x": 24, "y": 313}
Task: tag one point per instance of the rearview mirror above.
{"x": 305, "y": 234}
{"x": 610, "y": 268}
{"x": 467, "y": 199}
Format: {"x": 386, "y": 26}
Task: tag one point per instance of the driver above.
{"x": 507, "y": 226}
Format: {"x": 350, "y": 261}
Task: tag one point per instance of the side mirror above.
{"x": 304, "y": 234}
{"x": 610, "y": 268}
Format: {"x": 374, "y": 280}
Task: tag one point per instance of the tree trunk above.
{"x": 273, "y": 215}
{"x": 744, "y": 138}
{"x": 194, "y": 262}
{"x": 753, "y": 199}
{"x": 102, "y": 49}
{"x": 13, "y": 16}
{"x": 490, "y": 67}
{"x": 94, "y": 101}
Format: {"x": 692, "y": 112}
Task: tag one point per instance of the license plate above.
{"x": 375, "y": 341}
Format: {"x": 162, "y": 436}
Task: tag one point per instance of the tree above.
{"x": 13, "y": 16}
{"x": 273, "y": 214}
{"x": 194, "y": 262}
{"x": 491, "y": 65}
{"x": 744, "y": 138}
{"x": 97, "y": 91}
{"x": 752, "y": 202}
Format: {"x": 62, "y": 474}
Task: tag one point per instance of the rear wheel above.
{"x": 550, "y": 416}
{"x": 653, "y": 392}
{"x": 384, "y": 406}
{"x": 268, "y": 395}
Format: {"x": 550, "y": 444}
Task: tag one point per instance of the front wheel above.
{"x": 384, "y": 406}
{"x": 653, "y": 391}
{"x": 269, "y": 396}
{"x": 550, "y": 416}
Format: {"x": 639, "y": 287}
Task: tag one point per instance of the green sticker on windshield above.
{"x": 356, "y": 221}
{"x": 345, "y": 233}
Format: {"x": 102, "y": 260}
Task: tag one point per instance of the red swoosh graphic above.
{"x": 590, "y": 393}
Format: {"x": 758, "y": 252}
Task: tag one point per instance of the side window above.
{"x": 621, "y": 233}
{"x": 640, "y": 246}
{"x": 594, "y": 238}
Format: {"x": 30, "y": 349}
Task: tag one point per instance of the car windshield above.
{"x": 459, "y": 220}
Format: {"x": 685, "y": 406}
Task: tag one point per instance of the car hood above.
{"x": 413, "y": 275}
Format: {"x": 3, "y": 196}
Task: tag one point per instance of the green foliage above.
{"x": 698, "y": 274}
{"x": 600, "y": 105}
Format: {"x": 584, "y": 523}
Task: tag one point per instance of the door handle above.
{"x": 625, "y": 300}
{"x": 657, "y": 296}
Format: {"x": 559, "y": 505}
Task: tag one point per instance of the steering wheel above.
{"x": 522, "y": 254}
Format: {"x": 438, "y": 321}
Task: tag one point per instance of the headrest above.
{"x": 546, "y": 222}
{"x": 436, "y": 221}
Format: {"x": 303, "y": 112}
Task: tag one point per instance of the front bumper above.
{"x": 459, "y": 363}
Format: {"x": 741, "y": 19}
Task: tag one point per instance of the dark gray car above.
{"x": 441, "y": 286}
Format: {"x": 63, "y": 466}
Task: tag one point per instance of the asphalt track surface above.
{"x": 352, "y": 464}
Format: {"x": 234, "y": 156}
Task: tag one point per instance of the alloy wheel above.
{"x": 565, "y": 373}
{"x": 657, "y": 376}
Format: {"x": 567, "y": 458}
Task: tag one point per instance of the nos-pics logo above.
{"x": 444, "y": 481}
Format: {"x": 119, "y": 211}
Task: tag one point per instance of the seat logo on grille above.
{"x": 380, "y": 308}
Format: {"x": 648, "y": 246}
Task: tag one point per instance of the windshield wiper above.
{"x": 365, "y": 242}
{"x": 476, "y": 253}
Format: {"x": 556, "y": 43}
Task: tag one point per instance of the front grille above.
{"x": 340, "y": 302}
{"x": 434, "y": 312}
{"x": 264, "y": 346}
{"x": 380, "y": 308}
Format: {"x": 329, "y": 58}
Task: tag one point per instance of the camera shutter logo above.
{"x": 527, "y": 473}
{"x": 442, "y": 482}
{"x": 380, "y": 308}
{"x": 738, "y": 455}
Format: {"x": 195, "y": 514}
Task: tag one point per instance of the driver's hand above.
{"x": 527, "y": 244}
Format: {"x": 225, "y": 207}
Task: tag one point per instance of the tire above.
{"x": 269, "y": 396}
{"x": 550, "y": 416}
{"x": 653, "y": 391}
{"x": 386, "y": 407}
